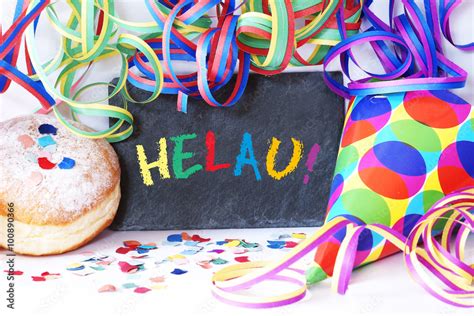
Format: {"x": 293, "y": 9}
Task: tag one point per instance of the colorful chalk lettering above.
{"x": 245, "y": 161}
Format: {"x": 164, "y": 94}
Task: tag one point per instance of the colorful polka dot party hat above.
{"x": 399, "y": 154}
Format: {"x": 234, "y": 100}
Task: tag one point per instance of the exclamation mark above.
{"x": 313, "y": 154}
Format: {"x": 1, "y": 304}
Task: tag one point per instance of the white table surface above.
{"x": 378, "y": 289}
{"x": 383, "y": 287}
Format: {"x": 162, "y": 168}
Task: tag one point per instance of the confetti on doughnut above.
{"x": 46, "y": 141}
{"x": 67, "y": 163}
{"x": 44, "y": 163}
{"x": 26, "y": 141}
{"x": 47, "y": 129}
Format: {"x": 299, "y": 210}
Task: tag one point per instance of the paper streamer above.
{"x": 265, "y": 38}
{"x": 433, "y": 261}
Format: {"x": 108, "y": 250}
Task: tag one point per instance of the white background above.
{"x": 381, "y": 288}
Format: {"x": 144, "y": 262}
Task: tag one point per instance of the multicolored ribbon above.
{"x": 414, "y": 62}
{"x": 10, "y": 43}
{"x": 264, "y": 38}
{"x": 435, "y": 260}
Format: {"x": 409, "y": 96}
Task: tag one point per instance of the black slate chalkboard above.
{"x": 297, "y": 105}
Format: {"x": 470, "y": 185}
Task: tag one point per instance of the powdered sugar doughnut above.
{"x": 57, "y": 190}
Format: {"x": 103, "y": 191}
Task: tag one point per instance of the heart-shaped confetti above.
{"x": 67, "y": 163}
{"x": 141, "y": 290}
{"x": 16, "y": 272}
{"x": 218, "y": 251}
{"x": 290, "y": 244}
{"x": 38, "y": 279}
{"x": 175, "y": 238}
{"x": 75, "y": 267}
{"x": 26, "y": 141}
{"x": 178, "y": 271}
{"x": 204, "y": 264}
{"x": 233, "y": 243}
{"x": 46, "y": 141}
{"x": 31, "y": 157}
{"x": 127, "y": 268}
{"x": 219, "y": 261}
{"x": 158, "y": 279}
{"x": 47, "y": 129}
{"x": 44, "y": 163}
{"x": 35, "y": 178}
{"x": 123, "y": 250}
{"x": 132, "y": 244}
{"x": 51, "y": 148}
{"x": 242, "y": 259}
{"x": 199, "y": 238}
{"x": 298, "y": 235}
{"x": 107, "y": 288}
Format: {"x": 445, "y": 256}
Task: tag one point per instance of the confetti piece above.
{"x": 178, "y": 256}
{"x": 51, "y": 148}
{"x": 129, "y": 285}
{"x": 122, "y": 250}
{"x": 127, "y": 268}
{"x": 141, "y": 290}
{"x": 35, "y": 178}
{"x": 191, "y": 243}
{"x": 107, "y": 288}
{"x": 46, "y": 276}
{"x": 298, "y": 235}
{"x": 242, "y": 259}
{"x": 238, "y": 251}
{"x": 15, "y": 272}
{"x": 199, "y": 238}
{"x": 142, "y": 250}
{"x": 44, "y": 163}
{"x": 204, "y": 264}
{"x": 158, "y": 286}
{"x": 149, "y": 247}
{"x": 246, "y": 244}
{"x": 175, "y": 238}
{"x": 276, "y": 244}
{"x": 75, "y": 267}
{"x": 26, "y": 141}
{"x": 67, "y": 163}
{"x": 291, "y": 244}
{"x": 189, "y": 252}
{"x": 47, "y": 129}
{"x": 218, "y": 251}
{"x": 46, "y": 141}
{"x": 221, "y": 242}
{"x": 31, "y": 157}
{"x": 38, "y": 279}
{"x": 185, "y": 236}
{"x": 178, "y": 271}
{"x": 50, "y": 276}
{"x": 219, "y": 261}
{"x": 140, "y": 257}
{"x": 132, "y": 244}
{"x": 233, "y": 243}
{"x": 97, "y": 268}
{"x": 158, "y": 279}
